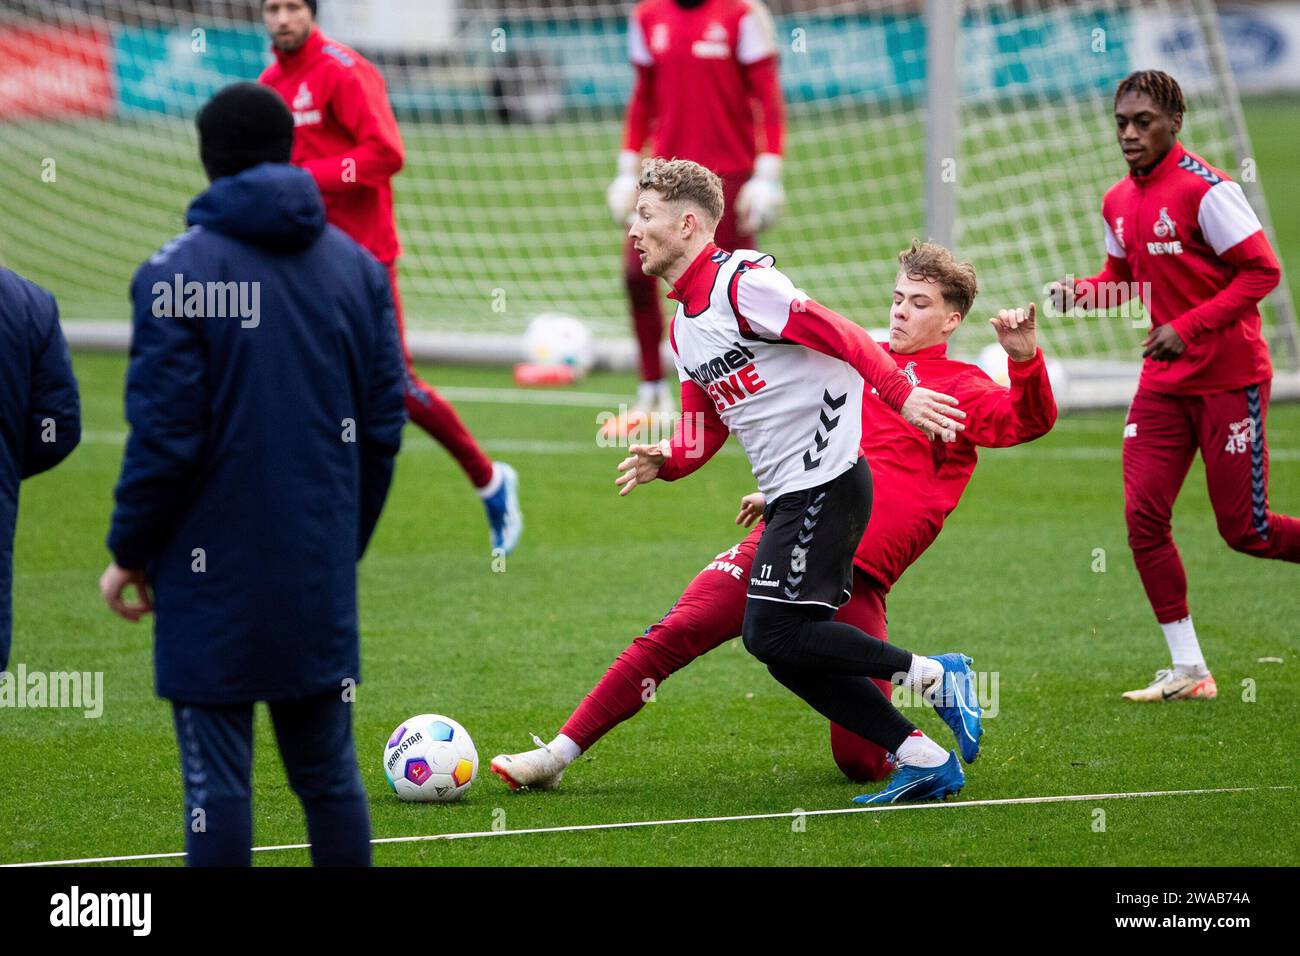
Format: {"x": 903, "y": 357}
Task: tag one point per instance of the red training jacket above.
{"x": 1187, "y": 235}
{"x": 345, "y": 135}
{"x": 699, "y": 74}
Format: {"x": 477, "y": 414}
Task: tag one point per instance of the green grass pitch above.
{"x": 1010, "y": 581}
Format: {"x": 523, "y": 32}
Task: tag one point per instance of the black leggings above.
{"x": 809, "y": 543}
{"x": 830, "y": 665}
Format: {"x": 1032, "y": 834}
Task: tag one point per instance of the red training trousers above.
{"x": 643, "y": 290}
{"x": 709, "y": 613}
{"x": 434, "y": 413}
{"x": 1161, "y": 437}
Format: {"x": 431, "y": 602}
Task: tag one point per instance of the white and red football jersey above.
{"x": 698, "y": 81}
{"x": 795, "y": 411}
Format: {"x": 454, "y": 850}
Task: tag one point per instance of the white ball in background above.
{"x": 1057, "y": 375}
{"x": 993, "y": 361}
{"x": 555, "y": 339}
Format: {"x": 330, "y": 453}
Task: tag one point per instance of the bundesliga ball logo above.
{"x": 430, "y": 759}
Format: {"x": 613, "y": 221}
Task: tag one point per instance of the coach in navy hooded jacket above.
{"x": 263, "y": 434}
{"x": 40, "y": 415}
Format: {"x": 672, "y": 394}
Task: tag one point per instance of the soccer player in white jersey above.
{"x": 784, "y": 374}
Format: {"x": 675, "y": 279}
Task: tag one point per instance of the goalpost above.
{"x": 985, "y": 124}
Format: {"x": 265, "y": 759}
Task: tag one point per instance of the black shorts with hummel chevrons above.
{"x": 805, "y": 555}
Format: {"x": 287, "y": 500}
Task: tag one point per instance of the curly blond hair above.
{"x": 931, "y": 262}
{"x": 680, "y": 180}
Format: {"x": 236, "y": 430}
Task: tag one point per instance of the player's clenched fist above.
{"x": 1062, "y": 294}
{"x": 934, "y": 413}
{"x": 1017, "y": 331}
{"x": 641, "y": 465}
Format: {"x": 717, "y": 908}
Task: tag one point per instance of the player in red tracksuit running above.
{"x": 701, "y": 68}
{"x": 346, "y": 136}
{"x": 917, "y": 485}
{"x": 1183, "y": 233}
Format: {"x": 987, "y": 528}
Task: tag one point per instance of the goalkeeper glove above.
{"x": 762, "y": 198}
{"x": 622, "y": 192}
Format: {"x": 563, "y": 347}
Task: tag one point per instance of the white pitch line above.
{"x": 521, "y": 396}
{"x": 630, "y": 824}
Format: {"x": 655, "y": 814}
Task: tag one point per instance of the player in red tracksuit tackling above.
{"x": 346, "y": 136}
{"x": 917, "y": 484}
{"x": 1183, "y": 234}
{"x": 702, "y": 69}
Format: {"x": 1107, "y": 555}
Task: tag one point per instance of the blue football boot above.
{"x": 505, "y": 517}
{"x": 956, "y": 701}
{"x": 916, "y": 784}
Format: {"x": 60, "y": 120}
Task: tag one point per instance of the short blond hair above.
{"x": 931, "y": 262}
{"x": 680, "y": 180}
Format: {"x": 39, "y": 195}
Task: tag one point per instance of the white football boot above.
{"x": 1171, "y": 685}
{"x": 535, "y": 769}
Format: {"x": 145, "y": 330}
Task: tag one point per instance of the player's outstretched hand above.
{"x": 641, "y": 465}
{"x": 751, "y": 508}
{"x": 934, "y": 413}
{"x": 1062, "y": 294}
{"x": 113, "y": 584}
{"x": 1163, "y": 344}
{"x": 1017, "y": 331}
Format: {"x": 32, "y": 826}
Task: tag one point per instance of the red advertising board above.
{"x": 49, "y": 72}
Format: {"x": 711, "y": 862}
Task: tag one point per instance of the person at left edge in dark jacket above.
{"x": 264, "y": 395}
{"x": 40, "y": 413}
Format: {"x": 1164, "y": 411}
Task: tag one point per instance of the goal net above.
{"x": 986, "y": 124}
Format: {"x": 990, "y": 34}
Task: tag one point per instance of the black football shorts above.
{"x": 805, "y": 555}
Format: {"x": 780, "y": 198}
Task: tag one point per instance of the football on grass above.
{"x": 430, "y": 759}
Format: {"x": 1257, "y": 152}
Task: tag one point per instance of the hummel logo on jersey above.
{"x": 833, "y": 403}
{"x": 338, "y": 53}
{"x": 910, "y": 372}
{"x": 303, "y": 114}
{"x": 726, "y": 390}
{"x": 1131, "y": 430}
{"x": 1200, "y": 169}
{"x": 1119, "y": 231}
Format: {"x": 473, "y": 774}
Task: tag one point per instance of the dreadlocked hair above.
{"x": 1162, "y": 88}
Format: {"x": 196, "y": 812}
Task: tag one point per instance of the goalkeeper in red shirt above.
{"x": 702, "y": 66}
{"x": 346, "y": 136}
{"x": 917, "y": 484}
{"x": 1182, "y": 233}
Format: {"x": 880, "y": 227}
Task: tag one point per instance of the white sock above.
{"x": 923, "y": 672}
{"x": 494, "y": 483}
{"x": 1184, "y": 648}
{"x": 918, "y": 750}
{"x": 565, "y": 748}
{"x": 647, "y": 393}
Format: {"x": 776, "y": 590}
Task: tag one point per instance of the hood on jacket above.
{"x": 273, "y": 205}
